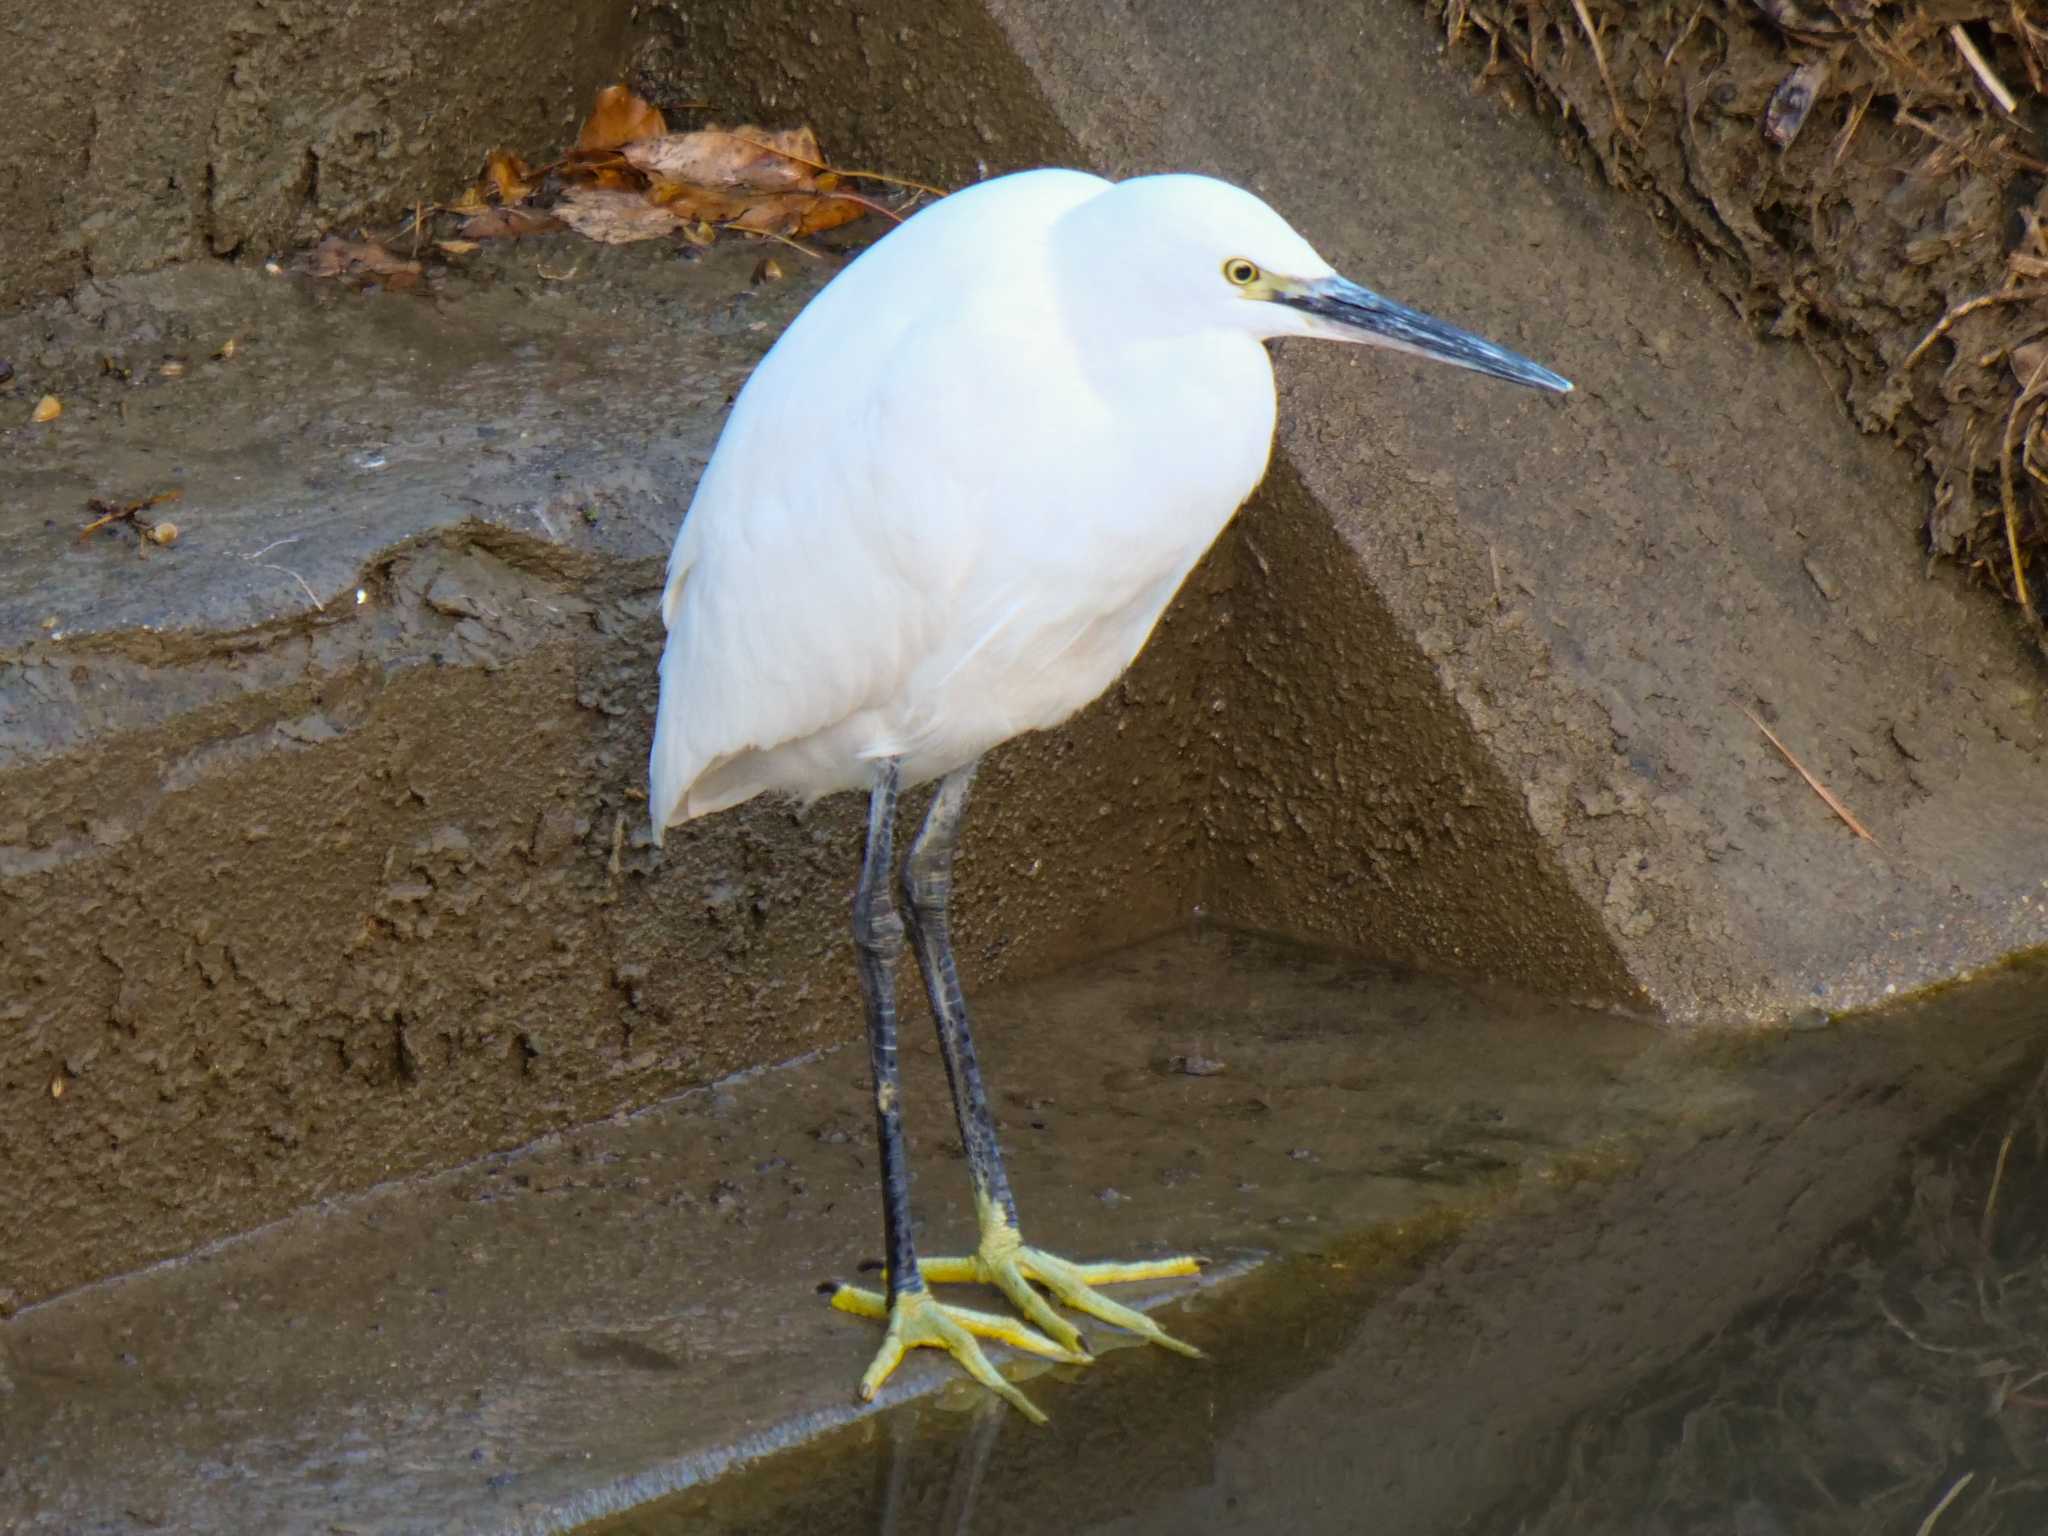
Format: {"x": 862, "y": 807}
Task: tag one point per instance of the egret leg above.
{"x": 913, "y": 1317}
{"x": 1002, "y": 1258}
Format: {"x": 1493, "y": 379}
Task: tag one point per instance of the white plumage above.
{"x": 948, "y": 508}
{"x": 956, "y": 495}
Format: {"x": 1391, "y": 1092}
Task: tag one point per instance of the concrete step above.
{"x": 323, "y": 855}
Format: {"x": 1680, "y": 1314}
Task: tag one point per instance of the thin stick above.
{"x": 1849, "y": 128}
{"x": 1984, "y": 1228}
{"x": 2029, "y": 394}
{"x": 1968, "y": 307}
{"x": 1981, "y": 67}
{"x": 1812, "y": 783}
{"x": 824, "y": 169}
{"x": 1914, "y": 1338}
{"x": 1934, "y": 1514}
{"x": 1600, "y": 58}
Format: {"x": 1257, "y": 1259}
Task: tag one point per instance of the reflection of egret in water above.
{"x": 970, "y": 1463}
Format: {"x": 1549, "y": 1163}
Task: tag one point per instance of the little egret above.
{"x": 947, "y": 509}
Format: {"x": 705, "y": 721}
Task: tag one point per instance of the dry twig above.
{"x": 1934, "y": 1514}
{"x": 2028, "y": 395}
{"x": 1833, "y": 802}
{"x": 1968, "y": 307}
{"x": 1981, "y": 68}
{"x": 1600, "y": 58}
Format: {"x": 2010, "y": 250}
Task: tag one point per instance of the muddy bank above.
{"x": 1864, "y": 179}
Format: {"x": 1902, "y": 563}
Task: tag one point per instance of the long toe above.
{"x": 917, "y": 1321}
{"x": 1074, "y": 1285}
{"x": 1008, "y": 1275}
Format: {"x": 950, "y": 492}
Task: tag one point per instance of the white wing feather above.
{"x": 810, "y": 575}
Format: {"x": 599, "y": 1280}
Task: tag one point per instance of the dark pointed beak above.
{"x": 1359, "y": 314}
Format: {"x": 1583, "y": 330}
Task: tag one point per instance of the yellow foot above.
{"x": 1004, "y": 1261}
{"x": 916, "y": 1320}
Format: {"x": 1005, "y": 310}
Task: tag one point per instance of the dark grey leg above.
{"x": 913, "y": 1317}
{"x": 878, "y": 942}
{"x": 927, "y": 892}
{"x": 1001, "y": 1258}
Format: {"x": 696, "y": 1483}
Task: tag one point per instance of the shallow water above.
{"x": 1468, "y": 1246}
{"x": 1907, "y": 1365}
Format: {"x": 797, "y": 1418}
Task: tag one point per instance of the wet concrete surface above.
{"x": 1898, "y": 1377}
{"x": 1448, "y": 1218}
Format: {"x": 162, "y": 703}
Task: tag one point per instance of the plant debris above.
{"x": 1865, "y": 176}
{"x": 363, "y": 259}
{"x": 49, "y": 408}
{"x": 629, "y": 178}
{"x": 111, "y": 514}
{"x": 1828, "y": 796}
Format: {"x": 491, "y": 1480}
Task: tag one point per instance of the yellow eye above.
{"x": 1240, "y": 272}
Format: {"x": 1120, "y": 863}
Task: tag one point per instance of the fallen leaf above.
{"x": 800, "y": 213}
{"x": 457, "y": 247}
{"x": 738, "y": 157}
{"x": 619, "y": 118}
{"x": 615, "y": 218}
{"x": 688, "y": 200}
{"x": 510, "y": 177}
{"x": 227, "y": 349}
{"x": 473, "y": 200}
{"x": 49, "y": 408}
{"x": 336, "y": 257}
{"x": 508, "y": 224}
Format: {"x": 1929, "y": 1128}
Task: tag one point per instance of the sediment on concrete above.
{"x": 323, "y": 856}
{"x": 141, "y": 133}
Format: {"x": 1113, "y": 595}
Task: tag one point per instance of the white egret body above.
{"x": 948, "y": 508}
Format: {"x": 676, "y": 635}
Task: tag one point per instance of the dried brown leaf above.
{"x": 511, "y": 179}
{"x": 615, "y": 218}
{"x": 688, "y": 200}
{"x": 619, "y": 117}
{"x": 797, "y": 213}
{"x": 718, "y": 157}
{"x": 336, "y": 257}
{"x": 457, "y": 247}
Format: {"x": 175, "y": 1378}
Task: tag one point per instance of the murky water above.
{"x": 1901, "y": 1385}
{"x": 1469, "y": 1245}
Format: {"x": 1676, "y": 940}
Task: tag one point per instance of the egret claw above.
{"x": 1010, "y": 1265}
{"x": 917, "y": 1321}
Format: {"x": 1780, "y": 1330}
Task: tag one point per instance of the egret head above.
{"x": 1199, "y": 252}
